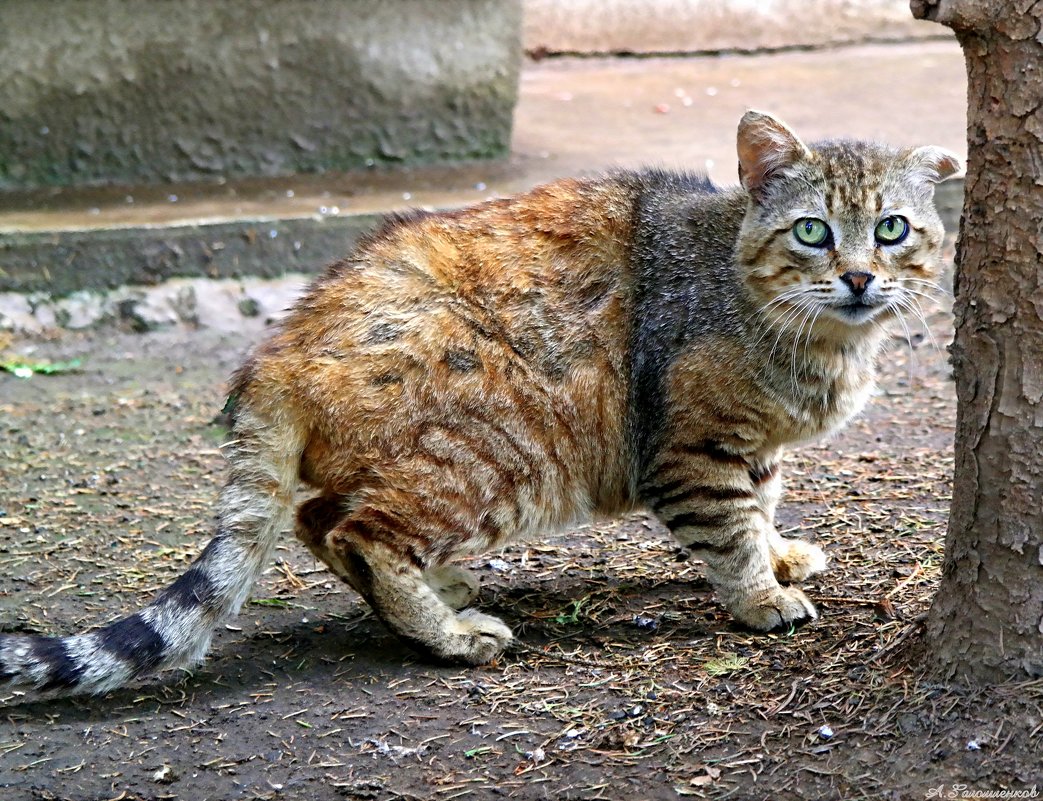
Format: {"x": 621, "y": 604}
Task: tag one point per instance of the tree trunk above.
{"x": 986, "y": 623}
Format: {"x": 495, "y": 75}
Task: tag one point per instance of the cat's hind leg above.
{"x": 416, "y": 604}
{"x": 399, "y": 592}
{"x": 455, "y": 585}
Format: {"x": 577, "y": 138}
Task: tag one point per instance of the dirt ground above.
{"x": 633, "y": 684}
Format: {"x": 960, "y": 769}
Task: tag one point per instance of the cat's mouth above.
{"x": 857, "y": 310}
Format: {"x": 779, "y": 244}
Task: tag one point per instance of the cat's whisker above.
{"x": 900, "y": 303}
{"x": 782, "y": 321}
{"x": 782, "y": 329}
{"x": 787, "y": 294}
{"x": 914, "y": 294}
{"x": 796, "y": 341}
{"x": 932, "y": 284}
{"x": 807, "y": 340}
{"x": 921, "y": 293}
{"x": 918, "y": 312}
{"x": 784, "y": 326}
{"x": 784, "y": 297}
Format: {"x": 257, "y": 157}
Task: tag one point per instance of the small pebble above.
{"x": 973, "y": 745}
{"x": 165, "y": 775}
{"x": 825, "y": 732}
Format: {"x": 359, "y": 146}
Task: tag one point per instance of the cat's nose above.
{"x": 857, "y": 282}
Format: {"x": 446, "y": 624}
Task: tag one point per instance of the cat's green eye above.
{"x": 891, "y": 230}
{"x": 810, "y": 231}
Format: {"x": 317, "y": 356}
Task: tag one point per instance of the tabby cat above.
{"x": 469, "y": 377}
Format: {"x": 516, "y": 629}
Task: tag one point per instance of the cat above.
{"x": 465, "y": 378}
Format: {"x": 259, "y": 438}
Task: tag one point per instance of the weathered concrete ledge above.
{"x": 102, "y": 269}
{"x": 62, "y": 262}
{"x": 133, "y": 91}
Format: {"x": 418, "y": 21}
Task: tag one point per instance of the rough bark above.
{"x": 986, "y": 622}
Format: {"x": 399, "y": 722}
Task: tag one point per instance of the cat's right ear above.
{"x": 933, "y": 163}
{"x": 766, "y": 146}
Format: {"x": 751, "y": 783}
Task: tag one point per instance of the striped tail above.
{"x": 176, "y": 628}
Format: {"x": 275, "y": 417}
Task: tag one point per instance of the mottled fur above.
{"x": 467, "y": 378}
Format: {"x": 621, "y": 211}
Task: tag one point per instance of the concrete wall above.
{"x": 689, "y": 26}
{"x": 139, "y": 91}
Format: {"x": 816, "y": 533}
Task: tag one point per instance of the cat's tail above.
{"x": 175, "y": 629}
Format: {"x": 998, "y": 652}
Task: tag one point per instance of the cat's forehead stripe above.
{"x": 850, "y": 175}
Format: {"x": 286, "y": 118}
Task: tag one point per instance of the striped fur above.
{"x": 468, "y": 378}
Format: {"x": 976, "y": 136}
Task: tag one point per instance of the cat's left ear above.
{"x": 766, "y": 146}
{"x": 934, "y": 163}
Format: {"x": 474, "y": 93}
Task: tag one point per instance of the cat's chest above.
{"x": 819, "y": 405}
{"x": 716, "y": 394}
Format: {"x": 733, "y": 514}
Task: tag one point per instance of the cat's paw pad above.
{"x": 777, "y": 608}
{"x": 799, "y": 560}
{"x": 479, "y": 638}
{"x": 457, "y": 587}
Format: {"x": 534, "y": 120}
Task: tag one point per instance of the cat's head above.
{"x": 841, "y": 235}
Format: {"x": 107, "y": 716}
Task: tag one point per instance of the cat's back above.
{"x": 509, "y": 251}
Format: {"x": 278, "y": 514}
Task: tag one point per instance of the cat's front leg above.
{"x": 739, "y": 564}
{"x": 710, "y": 503}
{"x": 792, "y": 559}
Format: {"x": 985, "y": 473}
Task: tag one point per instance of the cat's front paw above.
{"x": 795, "y": 560}
{"x": 455, "y": 585}
{"x": 774, "y": 608}
{"x": 478, "y": 638}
